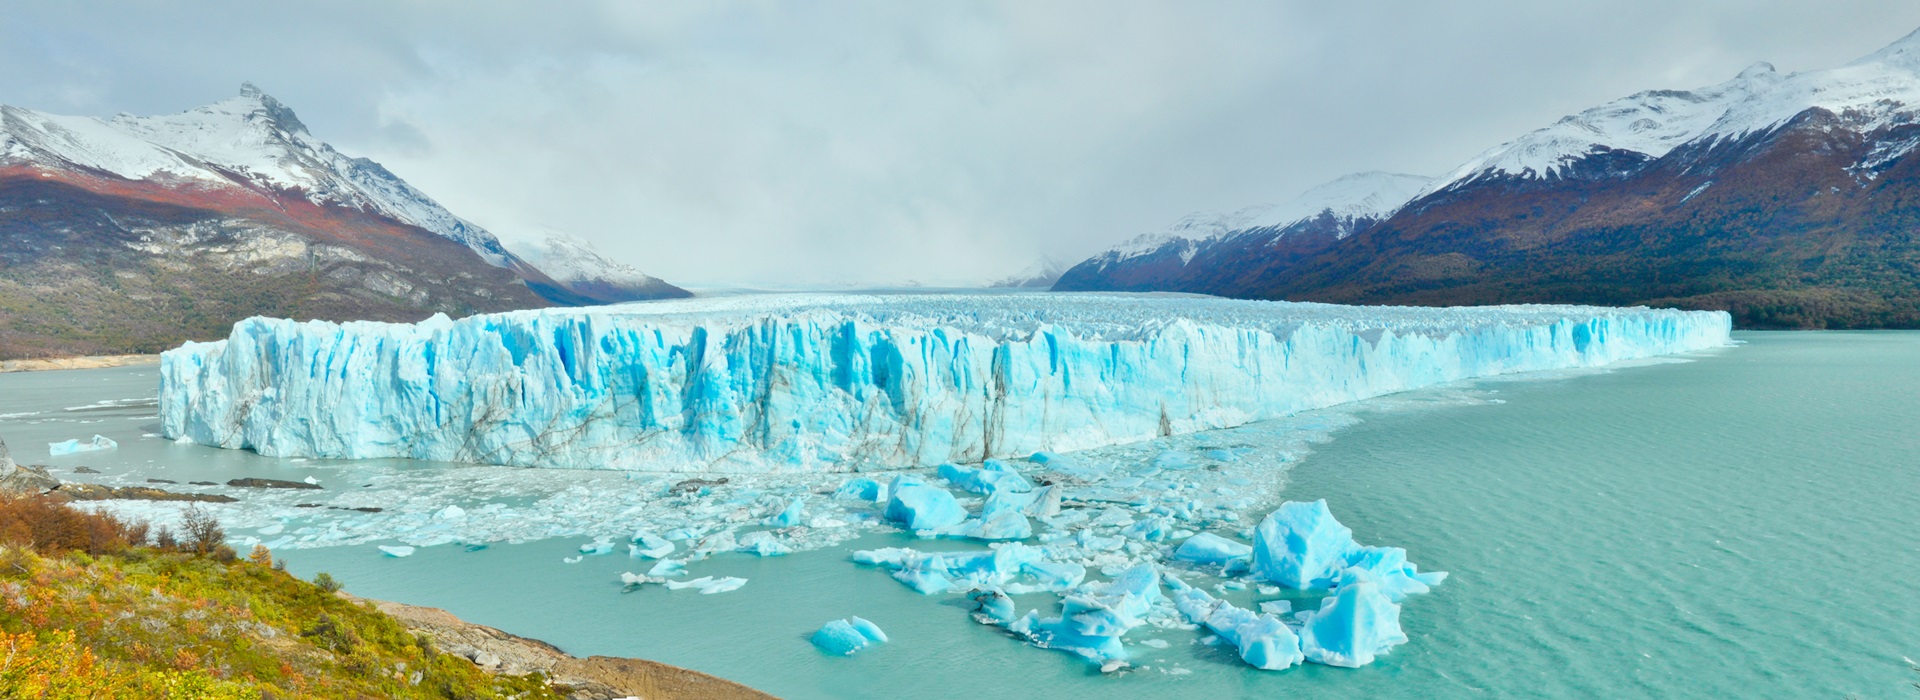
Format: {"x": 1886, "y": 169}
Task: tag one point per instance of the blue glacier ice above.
{"x": 790, "y": 516}
{"x": 1093, "y": 620}
{"x": 785, "y": 383}
{"x": 993, "y": 477}
{"x": 848, "y": 637}
{"x": 75, "y": 446}
{"x": 1263, "y": 640}
{"x": 1355, "y": 624}
{"x": 1208, "y": 548}
{"x": 1301, "y": 546}
{"x": 924, "y": 507}
{"x": 862, "y": 488}
{"x": 1011, "y": 567}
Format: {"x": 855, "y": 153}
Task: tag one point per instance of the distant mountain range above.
{"x": 133, "y": 234}
{"x": 1790, "y": 200}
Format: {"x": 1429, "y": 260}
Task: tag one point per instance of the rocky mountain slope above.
{"x": 584, "y": 275}
{"x": 133, "y": 234}
{"x": 1788, "y": 200}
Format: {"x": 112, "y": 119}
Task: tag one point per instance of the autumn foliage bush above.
{"x": 89, "y": 611}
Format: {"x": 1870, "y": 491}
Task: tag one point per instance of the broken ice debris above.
{"x": 1093, "y": 620}
{"x": 397, "y": 550}
{"x": 847, "y": 637}
{"x": 1207, "y": 548}
{"x": 1263, "y": 640}
{"x": 1301, "y": 546}
{"x": 1353, "y": 625}
{"x": 923, "y": 507}
{"x": 67, "y": 447}
{"x": 791, "y": 515}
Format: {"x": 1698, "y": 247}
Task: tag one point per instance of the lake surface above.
{"x": 1739, "y": 525}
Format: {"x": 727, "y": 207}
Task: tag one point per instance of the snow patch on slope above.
{"x": 569, "y": 259}
{"x": 1879, "y": 90}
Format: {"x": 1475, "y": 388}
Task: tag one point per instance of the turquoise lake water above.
{"x": 1739, "y": 525}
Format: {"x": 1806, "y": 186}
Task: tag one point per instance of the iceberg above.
{"x": 840, "y": 383}
{"x": 1264, "y": 641}
{"x": 1301, "y": 546}
{"x": 67, "y": 447}
{"x": 1207, "y": 548}
{"x": 794, "y": 514}
{"x": 1353, "y": 625}
{"x": 396, "y": 550}
{"x": 1092, "y": 622}
{"x": 923, "y": 507}
{"x": 848, "y": 637}
{"x": 1010, "y": 567}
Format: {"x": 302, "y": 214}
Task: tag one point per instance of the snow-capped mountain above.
{"x": 1205, "y": 241}
{"x": 1783, "y": 198}
{"x": 1873, "y": 92}
{"x": 251, "y": 141}
{"x": 1041, "y": 274}
{"x": 135, "y": 233}
{"x": 582, "y": 271}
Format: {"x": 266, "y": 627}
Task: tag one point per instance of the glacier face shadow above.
{"x": 813, "y": 383}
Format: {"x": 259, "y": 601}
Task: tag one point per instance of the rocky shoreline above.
{"x": 80, "y": 362}
{"x": 590, "y": 678}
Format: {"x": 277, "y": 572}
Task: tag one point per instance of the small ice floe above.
{"x": 311, "y": 480}
{"x": 848, "y": 637}
{"x": 708, "y": 585}
{"x": 67, "y": 447}
{"x": 396, "y": 550}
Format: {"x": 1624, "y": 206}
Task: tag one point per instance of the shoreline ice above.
{"x": 837, "y": 383}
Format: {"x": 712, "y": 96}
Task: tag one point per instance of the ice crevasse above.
{"x": 783, "y": 383}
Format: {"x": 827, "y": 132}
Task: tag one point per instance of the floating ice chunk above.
{"x": 1388, "y": 567}
{"x": 717, "y": 543}
{"x": 396, "y": 550}
{"x": 1355, "y": 624}
{"x": 273, "y": 529}
{"x": 1207, "y": 548}
{"x": 1301, "y": 546}
{"x": 310, "y": 479}
{"x": 1263, "y": 640}
{"x": 791, "y": 515}
{"x": 1149, "y": 529}
{"x": 649, "y": 545}
{"x": 1092, "y": 621}
{"x": 668, "y": 567}
{"x": 921, "y": 507}
{"x": 992, "y": 607}
{"x": 763, "y": 544}
{"x": 67, "y": 447}
{"x": 999, "y": 526}
{"x": 1277, "y": 608}
{"x": 722, "y": 585}
{"x": 701, "y": 583}
{"x": 1012, "y": 567}
{"x": 861, "y": 488}
{"x": 996, "y": 476}
{"x": 597, "y": 547}
{"x": 450, "y": 513}
{"x": 573, "y": 560}
{"x": 847, "y": 637}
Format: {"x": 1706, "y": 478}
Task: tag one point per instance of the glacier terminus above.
{"x": 839, "y": 383}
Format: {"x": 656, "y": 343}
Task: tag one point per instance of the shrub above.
{"x": 203, "y": 532}
{"x": 326, "y": 582}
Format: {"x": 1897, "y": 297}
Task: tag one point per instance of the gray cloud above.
{"x": 879, "y": 142}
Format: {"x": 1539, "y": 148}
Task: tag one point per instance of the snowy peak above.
{"x": 1369, "y": 195}
{"x": 1878, "y": 90}
{"x": 250, "y": 142}
{"x": 1041, "y": 273}
{"x": 585, "y": 272}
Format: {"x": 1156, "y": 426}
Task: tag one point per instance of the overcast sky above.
{"x": 943, "y": 142}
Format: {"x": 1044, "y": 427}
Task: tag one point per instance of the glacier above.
{"x": 840, "y": 383}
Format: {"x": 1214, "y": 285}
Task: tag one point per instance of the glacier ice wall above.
{"x": 845, "y": 382}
